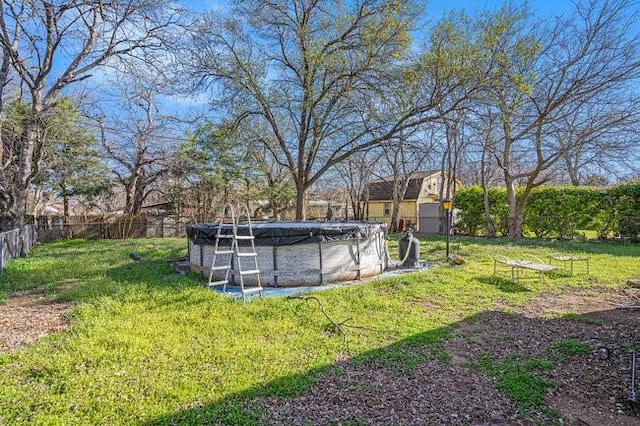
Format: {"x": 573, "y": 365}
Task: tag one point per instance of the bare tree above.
{"x": 272, "y": 181}
{"x": 318, "y": 74}
{"x": 140, "y": 144}
{"x": 548, "y": 72}
{"x": 405, "y": 155}
{"x": 356, "y": 172}
{"x": 54, "y": 45}
{"x": 599, "y": 139}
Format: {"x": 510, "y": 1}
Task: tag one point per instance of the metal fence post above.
{"x": 1, "y": 252}
{"x": 14, "y": 243}
{"x": 20, "y": 242}
{"x": 26, "y": 239}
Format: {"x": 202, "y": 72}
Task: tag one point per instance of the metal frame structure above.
{"x": 241, "y": 253}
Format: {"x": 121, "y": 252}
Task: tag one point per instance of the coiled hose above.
{"x": 390, "y": 261}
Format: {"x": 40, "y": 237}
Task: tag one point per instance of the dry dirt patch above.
{"x": 434, "y": 393}
{"x": 26, "y": 318}
{"x": 588, "y": 390}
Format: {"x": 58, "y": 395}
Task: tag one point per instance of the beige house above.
{"x": 420, "y": 208}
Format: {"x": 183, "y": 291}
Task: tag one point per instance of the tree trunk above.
{"x": 8, "y": 198}
{"x": 37, "y": 201}
{"x": 301, "y": 195}
{"x": 491, "y": 229}
{"x": 5, "y": 68}
{"x": 400, "y": 189}
{"x": 355, "y": 205}
{"x": 65, "y": 205}
{"x": 19, "y": 209}
{"x": 395, "y": 216}
{"x": 329, "y": 214}
{"x": 138, "y": 200}
{"x": 130, "y": 193}
{"x": 571, "y": 170}
{"x": 514, "y": 223}
{"x": 393, "y": 224}
{"x": 17, "y": 206}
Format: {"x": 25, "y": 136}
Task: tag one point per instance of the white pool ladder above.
{"x": 243, "y": 254}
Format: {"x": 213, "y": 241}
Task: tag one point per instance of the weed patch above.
{"x": 518, "y": 380}
{"x": 567, "y": 348}
{"x": 521, "y": 378}
{"x": 572, "y": 316}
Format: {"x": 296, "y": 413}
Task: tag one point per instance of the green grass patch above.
{"x": 148, "y": 346}
{"x": 572, "y": 316}
{"x": 567, "y": 348}
{"x": 518, "y": 379}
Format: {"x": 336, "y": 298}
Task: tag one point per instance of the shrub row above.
{"x": 557, "y": 211}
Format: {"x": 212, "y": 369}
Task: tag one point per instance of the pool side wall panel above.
{"x": 299, "y": 265}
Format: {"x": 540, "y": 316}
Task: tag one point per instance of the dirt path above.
{"x": 28, "y": 317}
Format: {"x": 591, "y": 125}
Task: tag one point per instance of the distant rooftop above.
{"x": 381, "y": 189}
{"x": 416, "y": 175}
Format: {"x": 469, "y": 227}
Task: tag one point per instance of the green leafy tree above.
{"x": 72, "y": 166}
{"x": 233, "y": 168}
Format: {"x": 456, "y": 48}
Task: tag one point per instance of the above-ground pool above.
{"x": 298, "y": 253}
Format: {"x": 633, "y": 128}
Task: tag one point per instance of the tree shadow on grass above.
{"x": 448, "y": 376}
{"x": 503, "y": 284}
{"x": 248, "y": 407}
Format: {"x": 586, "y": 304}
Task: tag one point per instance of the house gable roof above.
{"x": 382, "y": 189}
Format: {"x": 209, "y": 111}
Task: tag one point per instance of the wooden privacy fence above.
{"x": 15, "y": 243}
{"x": 52, "y": 228}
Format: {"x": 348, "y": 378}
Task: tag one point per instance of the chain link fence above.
{"x": 16, "y": 243}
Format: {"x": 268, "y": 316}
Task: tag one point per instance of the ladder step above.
{"x": 223, "y": 252}
{"x": 244, "y": 237}
{"x": 252, "y": 290}
{"x": 220, "y": 268}
{"x": 247, "y": 254}
{"x": 214, "y": 283}
{"x": 225, "y": 236}
{"x": 250, "y": 272}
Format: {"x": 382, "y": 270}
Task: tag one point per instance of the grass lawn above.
{"x": 147, "y": 346}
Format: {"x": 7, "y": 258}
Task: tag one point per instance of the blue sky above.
{"x": 542, "y": 7}
{"x": 435, "y": 8}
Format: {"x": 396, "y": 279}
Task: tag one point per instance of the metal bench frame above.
{"x": 518, "y": 265}
{"x": 571, "y": 260}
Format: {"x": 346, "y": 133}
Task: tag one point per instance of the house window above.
{"x": 386, "y": 209}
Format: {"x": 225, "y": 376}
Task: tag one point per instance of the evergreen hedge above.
{"x": 557, "y": 211}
